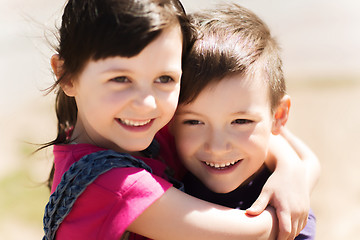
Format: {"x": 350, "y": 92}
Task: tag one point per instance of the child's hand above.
{"x": 288, "y": 188}
{"x": 291, "y": 200}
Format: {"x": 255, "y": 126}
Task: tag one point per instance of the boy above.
{"x": 232, "y": 100}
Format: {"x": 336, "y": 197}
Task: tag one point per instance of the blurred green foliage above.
{"x": 22, "y": 198}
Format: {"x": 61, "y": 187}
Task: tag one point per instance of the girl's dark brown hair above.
{"x": 97, "y": 29}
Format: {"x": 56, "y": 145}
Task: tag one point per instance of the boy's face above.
{"x": 122, "y": 102}
{"x": 223, "y": 135}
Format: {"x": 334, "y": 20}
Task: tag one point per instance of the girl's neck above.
{"x": 80, "y": 136}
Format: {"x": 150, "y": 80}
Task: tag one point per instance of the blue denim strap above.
{"x": 81, "y": 174}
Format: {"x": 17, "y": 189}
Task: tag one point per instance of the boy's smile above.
{"x": 222, "y": 165}
{"x": 222, "y": 136}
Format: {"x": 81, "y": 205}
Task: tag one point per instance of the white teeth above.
{"x": 221, "y": 165}
{"x": 134, "y": 123}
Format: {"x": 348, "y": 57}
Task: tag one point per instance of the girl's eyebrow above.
{"x": 115, "y": 69}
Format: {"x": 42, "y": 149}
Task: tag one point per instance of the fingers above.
{"x": 302, "y": 223}
{"x": 285, "y": 226}
{"x": 298, "y": 226}
{"x": 260, "y": 204}
{"x": 290, "y": 226}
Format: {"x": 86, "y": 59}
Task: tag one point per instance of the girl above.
{"x": 118, "y": 72}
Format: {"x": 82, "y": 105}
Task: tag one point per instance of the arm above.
{"x": 309, "y": 159}
{"x": 296, "y": 171}
{"x": 177, "y": 215}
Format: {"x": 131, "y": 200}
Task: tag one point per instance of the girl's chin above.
{"x": 135, "y": 148}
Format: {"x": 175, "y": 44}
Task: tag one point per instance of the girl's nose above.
{"x": 145, "y": 101}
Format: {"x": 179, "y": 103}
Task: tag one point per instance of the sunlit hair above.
{"x": 232, "y": 40}
{"x": 97, "y": 29}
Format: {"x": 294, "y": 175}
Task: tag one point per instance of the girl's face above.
{"x": 122, "y": 102}
{"x": 223, "y": 135}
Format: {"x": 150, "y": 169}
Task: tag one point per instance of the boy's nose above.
{"x": 218, "y": 143}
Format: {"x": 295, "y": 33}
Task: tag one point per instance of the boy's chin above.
{"x": 222, "y": 189}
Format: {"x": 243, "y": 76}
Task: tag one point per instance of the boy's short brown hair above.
{"x": 232, "y": 40}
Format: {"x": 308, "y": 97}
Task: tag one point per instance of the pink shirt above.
{"x": 110, "y": 204}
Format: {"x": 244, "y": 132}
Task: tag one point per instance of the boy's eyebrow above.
{"x": 183, "y": 112}
{"x": 253, "y": 115}
{"x": 247, "y": 113}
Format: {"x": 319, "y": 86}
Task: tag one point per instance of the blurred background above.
{"x": 320, "y": 43}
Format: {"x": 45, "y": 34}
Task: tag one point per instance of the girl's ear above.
{"x": 66, "y": 85}
{"x": 281, "y": 114}
{"x": 56, "y": 65}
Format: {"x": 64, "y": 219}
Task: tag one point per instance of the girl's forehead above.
{"x": 161, "y": 56}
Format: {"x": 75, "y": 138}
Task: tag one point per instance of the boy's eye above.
{"x": 242, "y": 121}
{"x": 164, "y": 79}
{"x": 121, "y": 79}
{"x": 192, "y": 122}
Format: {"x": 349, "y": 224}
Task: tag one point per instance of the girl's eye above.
{"x": 242, "y": 121}
{"x": 164, "y": 79}
{"x": 121, "y": 79}
{"x": 192, "y": 122}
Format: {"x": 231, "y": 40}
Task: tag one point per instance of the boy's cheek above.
{"x": 186, "y": 144}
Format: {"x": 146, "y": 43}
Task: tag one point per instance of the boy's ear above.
{"x": 57, "y": 66}
{"x": 281, "y": 114}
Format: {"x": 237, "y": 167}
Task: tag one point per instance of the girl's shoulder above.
{"x": 124, "y": 183}
{"x": 66, "y": 155}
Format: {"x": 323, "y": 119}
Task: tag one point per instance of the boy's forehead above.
{"x": 248, "y": 80}
{"x": 230, "y": 88}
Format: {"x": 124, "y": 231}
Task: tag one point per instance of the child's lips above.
{"x": 135, "y": 125}
{"x": 221, "y": 166}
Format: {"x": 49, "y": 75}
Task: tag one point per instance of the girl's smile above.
{"x": 136, "y": 126}
{"x": 123, "y": 102}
